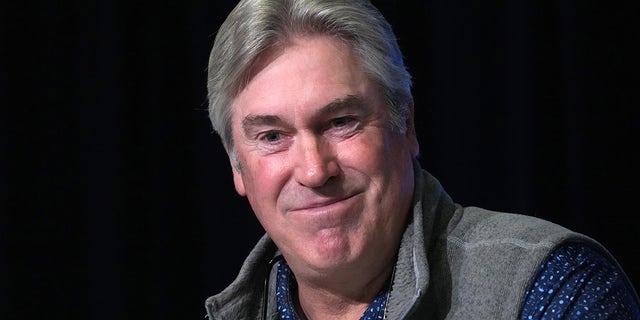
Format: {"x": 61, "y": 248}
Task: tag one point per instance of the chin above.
{"x": 333, "y": 256}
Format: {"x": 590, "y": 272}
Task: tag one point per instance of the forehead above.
{"x": 290, "y": 42}
{"x": 304, "y": 72}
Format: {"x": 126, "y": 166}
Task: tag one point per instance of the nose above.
{"x": 316, "y": 161}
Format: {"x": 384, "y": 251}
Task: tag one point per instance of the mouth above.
{"x": 322, "y": 204}
{"x": 328, "y": 213}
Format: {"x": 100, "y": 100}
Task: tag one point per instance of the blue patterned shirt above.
{"x": 286, "y": 309}
{"x": 575, "y": 282}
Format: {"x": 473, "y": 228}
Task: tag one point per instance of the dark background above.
{"x": 116, "y": 198}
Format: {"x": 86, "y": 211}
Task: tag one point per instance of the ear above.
{"x": 412, "y": 138}
{"x": 237, "y": 180}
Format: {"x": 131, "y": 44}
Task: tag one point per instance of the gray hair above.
{"x": 256, "y": 26}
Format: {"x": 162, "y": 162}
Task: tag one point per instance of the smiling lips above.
{"x": 326, "y": 213}
{"x": 319, "y": 204}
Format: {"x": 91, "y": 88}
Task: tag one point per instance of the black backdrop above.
{"x": 116, "y": 197}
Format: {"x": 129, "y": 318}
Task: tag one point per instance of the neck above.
{"x": 340, "y": 299}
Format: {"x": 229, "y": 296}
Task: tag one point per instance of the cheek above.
{"x": 386, "y": 162}
{"x": 365, "y": 153}
{"x": 263, "y": 179}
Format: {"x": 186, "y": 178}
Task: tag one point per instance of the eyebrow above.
{"x": 354, "y": 102}
{"x": 259, "y": 120}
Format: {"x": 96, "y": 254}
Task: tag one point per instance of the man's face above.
{"x": 328, "y": 179}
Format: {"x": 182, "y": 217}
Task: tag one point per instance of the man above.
{"x": 312, "y": 101}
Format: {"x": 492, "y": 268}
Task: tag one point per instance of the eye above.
{"x": 342, "y": 121}
{"x": 271, "y": 136}
{"x": 343, "y": 127}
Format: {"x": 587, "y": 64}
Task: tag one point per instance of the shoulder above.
{"x": 494, "y": 255}
{"x": 483, "y": 227}
{"x": 242, "y": 299}
{"x": 578, "y": 281}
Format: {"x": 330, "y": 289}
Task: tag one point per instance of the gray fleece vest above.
{"x": 453, "y": 263}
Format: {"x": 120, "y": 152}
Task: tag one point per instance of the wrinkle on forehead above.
{"x": 352, "y": 103}
{"x": 277, "y": 48}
